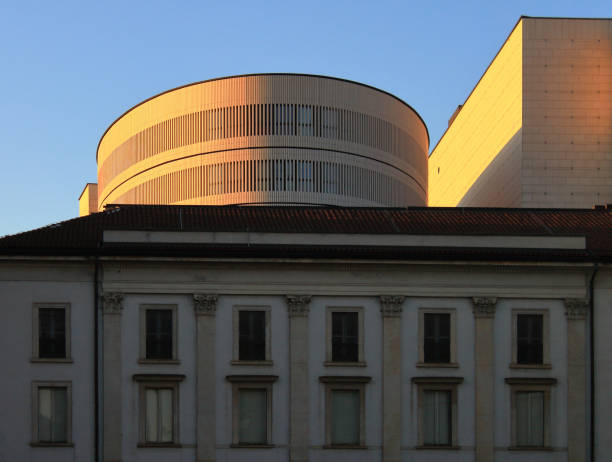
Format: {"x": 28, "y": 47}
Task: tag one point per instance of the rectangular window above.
{"x": 345, "y": 336}
{"x": 253, "y": 416}
{"x": 344, "y": 411}
{"x": 530, "y": 331}
{"x": 252, "y": 335}
{"x": 158, "y": 403}
{"x": 51, "y": 332}
{"x": 437, "y": 411}
{"x": 529, "y": 342}
{"x": 159, "y": 415}
{"x": 345, "y": 417}
{"x": 251, "y": 409}
{"x": 158, "y": 333}
{"x": 437, "y": 420}
{"x": 530, "y": 411}
{"x": 52, "y": 413}
{"x": 437, "y": 338}
{"x": 530, "y": 418}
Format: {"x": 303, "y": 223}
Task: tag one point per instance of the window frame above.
{"x": 236, "y": 336}
{"x": 36, "y": 333}
{"x": 453, "y": 337}
{"x": 437, "y": 384}
{"x": 530, "y": 384}
{"x": 143, "y": 333}
{"x": 332, "y": 383}
{"x": 329, "y": 337}
{"x": 257, "y": 382}
{"x": 36, "y": 385}
{"x": 158, "y": 381}
{"x": 545, "y": 339}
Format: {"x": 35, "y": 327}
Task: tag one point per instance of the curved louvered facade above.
{"x": 266, "y": 139}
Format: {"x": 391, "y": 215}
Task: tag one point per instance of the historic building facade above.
{"x": 222, "y": 333}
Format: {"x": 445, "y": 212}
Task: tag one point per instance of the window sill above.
{"x": 159, "y": 361}
{"x": 51, "y": 360}
{"x": 530, "y": 448}
{"x": 344, "y": 364}
{"x": 159, "y": 445}
{"x": 438, "y": 447}
{"x": 251, "y": 446}
{"x": 433, "y": 365}
{"x": 530, "y": 366}
{"x": 240, "y": 362}
{"x": 51, "y": 445}
{"x": 344, "y": 446}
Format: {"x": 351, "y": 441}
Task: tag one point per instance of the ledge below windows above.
{"x": 51, "y": 445}
{"x": 52, "y": 360}
{"x": 243, "y": 362}
{"x": 530, "y": 366}
{"x": 441, "y": 365}
{"x": 344, "y": 364}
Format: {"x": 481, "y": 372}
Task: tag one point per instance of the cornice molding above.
{"x": 391, "y": 305}
{"x": 112, "y": 303}
{"x": 484, "y": 307}
{"x": 205, "y": 304}
{"x": 297, "y": 305}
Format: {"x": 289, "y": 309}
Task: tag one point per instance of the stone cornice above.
{"x": 205, "y": 304}
{"x": 576, "y": 309}
{"x": 484, "y": 307}
{"x": 391, "y": 305}
{"x": 297, "y": 305}
{"x": 112, "y": 303}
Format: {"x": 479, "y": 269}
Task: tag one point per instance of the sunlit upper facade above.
{"x": 266, "y": 139}
{"x": 536, "y": 130}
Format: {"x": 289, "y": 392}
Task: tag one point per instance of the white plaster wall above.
{"x": 603, "y": 363}
{"x": 372, "y": 354}
{"x": 279, "y": 339}
{"x": 130, "y": 330}
{"x": 20, "y": 287}
{"x": 558, "y": 392}
{"x": 465, "y": 392}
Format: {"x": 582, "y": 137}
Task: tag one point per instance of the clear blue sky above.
{"x": 70, "y": 68}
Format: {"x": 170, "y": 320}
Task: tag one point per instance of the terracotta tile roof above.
{"x": 83, "y": 236}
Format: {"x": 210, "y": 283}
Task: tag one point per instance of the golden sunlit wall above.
{"x": 567, "y": 112}
{"x": 479, "y": 155}
{"x": 88, "y": 202}
{"x": 537, "y": 129}
{"x": 266, "y": 139}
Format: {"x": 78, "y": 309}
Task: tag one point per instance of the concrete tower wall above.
{"x": 536, "y": 129}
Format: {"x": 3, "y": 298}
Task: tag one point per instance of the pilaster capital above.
{"x": 205, "y": 304}
{"x": 391, "y": 305}
{"x": 576, "y": 309}
{"x": 112, "y": 303}
{"x": 484, "y": 307}
{"x": 297, "y": 305}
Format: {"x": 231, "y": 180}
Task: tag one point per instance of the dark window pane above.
{"x": 437, "y": 338}
{"x": 52, "y": 333}
{"x": 159, "y": 334}
{"x": 345, "y": 336}
{"x": 529, "y": 342}
{"x": 252, "y": 335}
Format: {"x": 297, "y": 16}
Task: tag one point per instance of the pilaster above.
{"x": 391, "y": 311}
{"x": 299, "y": 439}
{"x": 112, "y": 307}
{"x": 576, "y": 311}
{"x": 205, "y": 309}
{"x": 484, "y": 312}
